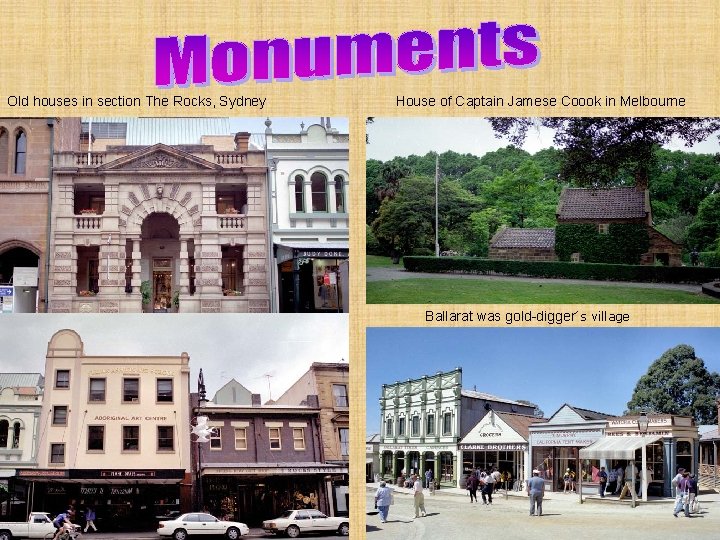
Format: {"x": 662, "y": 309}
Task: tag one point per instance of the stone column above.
{"x": 184, "y": 268}
{"x": 332, "y": 208}
{"x": 670, "y": 471}
{"x": 437, "y": 468}
{"x": 292, "y": 207}
{"x": 407, "y": 464}
{"x": 394, "y": 467}
{"x": 136, "y": 281}
{"x": 307, "y": 192}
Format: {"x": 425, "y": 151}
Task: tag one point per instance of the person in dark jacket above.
{"x": 472, "y": 485}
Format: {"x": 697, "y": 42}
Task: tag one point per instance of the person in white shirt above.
{"x": 619, "y": 472}
{"x": 418, "y": 496}
{"x": 630, "y": 473}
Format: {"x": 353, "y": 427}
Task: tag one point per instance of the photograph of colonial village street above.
{"x": 543, "y": 210}
{"x": 138, "y": 420}
{"x": 603, "y": 431}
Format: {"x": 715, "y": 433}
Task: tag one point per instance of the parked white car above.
{"x": 198, "y": 523}
{"x": 39, "y": 525}
{"x": 295, "y": 522}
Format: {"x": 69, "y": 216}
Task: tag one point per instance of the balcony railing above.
{"x": 88, "y": 223}
{"x": 79, "y": 159}
{"x": 230, "y": 158}
{"x": 231, "y": 222}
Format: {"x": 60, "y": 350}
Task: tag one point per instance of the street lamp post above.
{"x": 643, "y": 423}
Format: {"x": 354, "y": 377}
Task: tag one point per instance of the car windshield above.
{"x": 287, "y": 514}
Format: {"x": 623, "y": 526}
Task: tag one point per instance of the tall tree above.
{"x": 678, "y": 383}
{"x": 704, "y": 233}
{"x": 597, "y": 150}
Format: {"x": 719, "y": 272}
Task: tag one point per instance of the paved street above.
{"x": 254, "y": 533}
{"x": 453, "y": 516}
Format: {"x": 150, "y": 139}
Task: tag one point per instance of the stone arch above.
{"x": 7, "y": 245}
{"x": 133, "y": 216}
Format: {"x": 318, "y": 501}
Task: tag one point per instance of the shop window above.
{"x": 603, "y": 228}
{"x": 97, "y": 390}
{"x": 62, "y": 378}
{"x": 240, "y": 439}
{"x": 166, "y": 439}
{"x": 344, "y": 434}
{"x": 299, "y": 199}
{"x": 431, "y": 424}
{"x": 274, "y": 436}
{"x": 4, "y": 151}
{"x": 389, "y": 427}
{"x": 164, "y": 390}
{"x": 60, "y": 415}
{"x": 16, "y": 435}
{"x": 131, "y": 438}
{"x": 299, "y": 438}
{"x": 339, "y": 194}
{"x": 216, "y": 439}
{"x": 4, "y": 428}
{"x": 318, "y": 186}
{"x": 401, "y": 426}
{"x": 57, "y": 453}
{"x": 20, "y": 152}
{"x": 131, "y": 390}
{"x": 447, "y": 423}
{"x": 96, "y": 438}
{"x": 340, "y": 395}
{"x": 415, "y": 426}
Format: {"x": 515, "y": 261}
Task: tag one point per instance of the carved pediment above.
{"x": 159, "y": 158}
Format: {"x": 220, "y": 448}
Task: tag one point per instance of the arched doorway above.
{"x": 160, "y": 260}
{"x": 15, "y": 257}
{"x": 19, "y": 266}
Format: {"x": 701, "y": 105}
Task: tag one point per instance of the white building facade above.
{"x": 309, "y": 185}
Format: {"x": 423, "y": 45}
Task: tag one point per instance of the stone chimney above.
{"x": 312, "y": 401}
{"x": 255, "y": 400}
{"x": 242, "y": 141}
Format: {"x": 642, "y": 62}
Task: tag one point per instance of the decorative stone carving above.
{"x": 207, "y": 282}
{"x": 210, "y": 306}
{"x": 159, "y": 191}
{"x": 210, "y": 255}
{"x": 108, "y": 282}
{"x": 194, "y": 210}
{"x": 174, "y": 191}
{"x": 258, "y": 303}
{"x": 62, "y": 283}
{"x": 125, "y": 210}
{"x": 341, "y": 138}
{"x": 122, "y": 222}
{"x": 60, "y": 307}
{"x": 256, "y": 254}
{"x": 208, "y": 268}
{"x": 161, "y": 161}
{"x": 63, "y": 255}
{"x": 145, "y": 190}
{"x": 258, "y": 282}
{"x": 108, "y": 306}
{"x": 287, "y": 138}
{"x": 60, "y": 269}
{"x": 133, "y": 198}
{"x": 186, "y": 198}
{"x": 257, "y": 268}
{"x": 85, "y": 308}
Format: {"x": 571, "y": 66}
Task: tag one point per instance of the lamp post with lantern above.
{"x": 643, "y": 422}
{"x": 202, "y": 432}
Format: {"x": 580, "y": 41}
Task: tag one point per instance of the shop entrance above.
{"x": 162, "y": 285}
{"x": 566, "y": 458}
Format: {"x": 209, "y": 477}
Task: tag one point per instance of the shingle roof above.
{"x": 710, "y": 435}
{"x": 520, "y": 423}
{"x": 524, "y": 238}
{"x": 611, "y": 203}
{"x": 587, "y": 414}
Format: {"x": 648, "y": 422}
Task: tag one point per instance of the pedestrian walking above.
{"x": 602, "y": 479}
{"x": 535, "y": 490}
{"x": 567, "y": 479}
{"x": 683, "y": 490}
{"x": 428, "y": 478}
{"x": 90, "y": 519}
{"x": 693, "y": 492}
{"x": 675, "y": 483}
{"x": 472, "y": 485}
{"x": 488, "y": 489}
{"x": 419, "y": 497}
{"x": 619, "y": 472}
{"x": 630, "y": 474}
{"x": 383, "y": 500}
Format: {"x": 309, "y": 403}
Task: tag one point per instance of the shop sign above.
{"x": 565, "y": 438}
{"x": 42, "y": 473}
{"x": 273, "y": 470}
{"x": 25, "y": 276}
{"x": 128, "y": 474}
{"x": 417, "y": 448}
{"x": 321, "y": 253}
{"x": 132, "y": 370}
{"x": 633, "y": 422}
{"x": 506, "y": 446}
{"x": 92, "y": 490}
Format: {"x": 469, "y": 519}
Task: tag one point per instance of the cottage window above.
{"x": 20, "y": 152}
{"x": 603, "y": 228}
{"x": 415, "y": 430}
{"x": 389, "y": 427}
{"x": 340, "y": 395}
{"x": 97, "y": 390}
{"x": 131, "y": 438}
{"x": 431, "y": 424}
{"x": 344, "y": 434}
{"x": 4, "y": 427}
{"x": 96, "y": 438}
{"x": 274, "y": 436}
{"x": 339, "y": 195}
{"x": 62, "y": 378}
{"x": 575, "y": 257}
{"x": 57, "y": 453}
{"x": 318, "y": 186}
{"x": 447, "y": 423}
{"x": 216, "y": 439}
{"x": 16, "y": 435}
{"x": 131, "y": 390}
{"x": 166, "y": 438}
{"x": 401, "y": 426}
{"x": 240, "y": 439}
{"x": 60, "y": 415}
{"x": 299, "y": 199}
{"x": 299, "y": 438}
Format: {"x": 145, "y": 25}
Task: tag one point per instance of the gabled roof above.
{"x": 21, "y": 380}
{"x": 159, "y": 157}
{"x": 374, "y": 438}
{"x": 608, "y": 203}
{"x": 585, "y": 414}
{"x": 490, "y": 397}
{"x": 710, "y": 435}
{"x": 520, "y": 422}
{"x": 511, "y": 237}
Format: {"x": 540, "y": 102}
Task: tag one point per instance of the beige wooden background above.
{"x": 80, "y": 48}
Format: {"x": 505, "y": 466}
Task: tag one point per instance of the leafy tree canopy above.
{"x": 678, "y": 383}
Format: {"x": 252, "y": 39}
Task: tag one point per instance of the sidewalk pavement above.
{"x": 705, "y": 496}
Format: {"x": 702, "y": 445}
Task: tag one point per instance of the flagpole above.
{"x": 437, "y": 177}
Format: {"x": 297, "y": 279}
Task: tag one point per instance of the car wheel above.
{"x": 5, "y": 535}
{"x": 344, "y": 529}
{"x": 180, "y": 534}
{"x": 233, "y": 533}
{"x": 293, "y": 531}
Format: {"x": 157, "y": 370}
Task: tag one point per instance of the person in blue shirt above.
{"x": 535, "y": 490}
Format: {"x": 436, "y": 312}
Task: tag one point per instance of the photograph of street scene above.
{"x": 543, "y": 210}
{"x": 138, "y": 426}
{"x": 473, "y": 430}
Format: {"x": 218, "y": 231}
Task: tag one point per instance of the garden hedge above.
{"x": 559, "y": 269}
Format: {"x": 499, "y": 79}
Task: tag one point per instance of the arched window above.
{"x": 4, "y": 137}
{"x": 20, "y": 152}
{"x": 339, "y": 195}
{"x": 16, "y": 435}
{"x": 318, "y": 184}
{"x": 4, "y": 426}
{"x": 299, "y": 200}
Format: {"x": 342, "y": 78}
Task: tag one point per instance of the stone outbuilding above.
{"x": 516, "y": 244}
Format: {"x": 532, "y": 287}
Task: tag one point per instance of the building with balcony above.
{"x": 113, "y": 434}
{"x": 424, "y": 419}
{"x": 20, "y": 405}
{"x": 261, "y": 460}
{"x": 26, "y": 149}
{"x": 158, "y": 215}
{"x": 330, "y": 383}
{"x": 309, "y": 183}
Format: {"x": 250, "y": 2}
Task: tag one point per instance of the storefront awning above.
{"x": 313, "y": 250}
{"x": 616, "y": 447}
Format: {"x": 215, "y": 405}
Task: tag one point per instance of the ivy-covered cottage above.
{"x": 611, "y": 225}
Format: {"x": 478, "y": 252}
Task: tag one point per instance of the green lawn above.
{"x": 477, "y": 291}
{"x": 375, "y": 261}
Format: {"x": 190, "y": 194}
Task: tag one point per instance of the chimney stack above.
{"x": 242, "y": 141}
{"x": 255, "y": 400}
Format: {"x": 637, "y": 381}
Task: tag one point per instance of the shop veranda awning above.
{"x": 616, "y": 447}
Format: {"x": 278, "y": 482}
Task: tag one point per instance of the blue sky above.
{"x": 283, "y": 124}
{"x": 546, "y": 366}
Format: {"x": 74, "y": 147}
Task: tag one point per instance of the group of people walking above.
{"x": 485, "y": 481}
{"x": 686, "y": 491}
{"x": 384, "y": 498}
